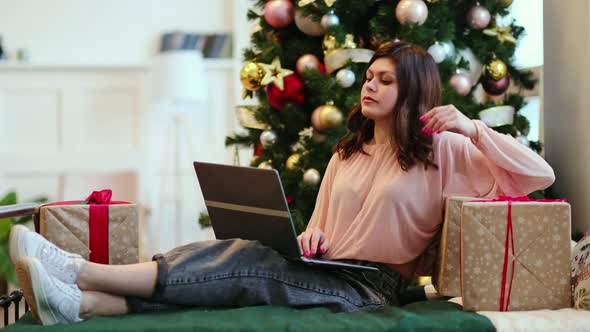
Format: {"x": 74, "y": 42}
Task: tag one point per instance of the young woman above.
{"x": 379, "y": 204}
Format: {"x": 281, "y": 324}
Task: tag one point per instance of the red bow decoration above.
{"x": 100, "y": 197}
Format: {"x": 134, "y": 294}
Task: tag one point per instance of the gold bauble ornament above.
{"x": 505, "y": 3}
{"x": 330, "y": 116}
{"x": 495, "y": 69}
{"x": 292, "y": 161}
{"x": 424, "y": 280}
{"x": 251, "y": 75}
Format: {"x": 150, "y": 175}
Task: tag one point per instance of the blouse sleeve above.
{"x": 490, "y": 165}
{"x": 320, "y": 212}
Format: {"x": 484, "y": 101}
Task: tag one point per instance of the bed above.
{"x": 423, "y": 315}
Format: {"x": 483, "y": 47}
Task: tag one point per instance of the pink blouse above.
{"x": 371, "y": 210}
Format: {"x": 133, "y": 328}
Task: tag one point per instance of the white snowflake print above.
{"x": 539, "y": 263}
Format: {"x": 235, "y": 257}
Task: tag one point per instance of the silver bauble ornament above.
{"x": 268, "y": 138}
{"x": 265, "y": 165}
{"x": 345, "y": 78}
{"x": 307, "y": 25}
{"x": 478, "y": 17}
{"x": 330, "y": 20}
{"x": 461, "y": 84}
{"x": 312, "y": 177}
{"x": 411, "y": 12}
{"x": 438, "y": 53}
{"x": 449, "y": 48}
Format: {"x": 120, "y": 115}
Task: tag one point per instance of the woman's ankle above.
{"x": 84, "y": 278}
{"x": 87, "y": 304}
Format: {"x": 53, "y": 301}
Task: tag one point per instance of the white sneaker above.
{"x": 59, "y": 263}
{"x": 52, "y": 301}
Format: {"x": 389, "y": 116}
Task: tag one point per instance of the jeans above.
{"x": 238, "y": 273}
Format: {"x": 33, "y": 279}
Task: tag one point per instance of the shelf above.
{"x": 215, "y": 64}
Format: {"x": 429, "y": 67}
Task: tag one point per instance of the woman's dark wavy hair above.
{"x": 419, "y": 90}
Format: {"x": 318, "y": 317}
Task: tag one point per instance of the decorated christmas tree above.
{"x": 307, "y": 60}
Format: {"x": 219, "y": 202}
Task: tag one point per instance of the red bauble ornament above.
{"x": 495, "y": 88}
{"x": 293, "y": 91}
{"x": 289, "y": 200}
{"x": 258, "y": 150}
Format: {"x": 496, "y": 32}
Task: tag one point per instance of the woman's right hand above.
{"x": 312, "y": 241}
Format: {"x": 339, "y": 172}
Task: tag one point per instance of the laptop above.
{"x": 249, "y": 203}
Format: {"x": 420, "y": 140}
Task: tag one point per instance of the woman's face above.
{"x": 379, "y": 92}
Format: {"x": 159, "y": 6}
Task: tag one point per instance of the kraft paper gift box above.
{"x": 100, "y": 230}
{"x": 447, "y": 273}
{"x": 515, "y": 255}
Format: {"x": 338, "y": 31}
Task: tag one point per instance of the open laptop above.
{"x": 249, "y": 203}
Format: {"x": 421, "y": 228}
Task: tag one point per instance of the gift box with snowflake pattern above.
{"x": 447, "y": 273}
{"x": 515, "y": 255}
{"x": 100, "y": 230}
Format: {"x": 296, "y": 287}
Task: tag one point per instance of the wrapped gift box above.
{"x": 447, "y": 274}
{"x": 100, "y": 230}
{"x": 515, "y": 255}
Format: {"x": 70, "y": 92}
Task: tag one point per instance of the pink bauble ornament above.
{"x": 478, "y": 17}
{"x": 307, "y": 61}
{"x": 315, "y": 120}
{"x": 279, "y": 13}
{"x": 307, "y": 25}
{"x": 461, "y": 83}
{"x": 411, "y": 12}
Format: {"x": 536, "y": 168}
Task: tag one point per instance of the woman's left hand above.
{"x": 448, "y": 117}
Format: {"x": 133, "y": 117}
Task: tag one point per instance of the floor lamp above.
{"x": 179, "y": 91}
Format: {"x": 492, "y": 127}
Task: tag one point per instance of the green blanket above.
{"x": 428, "y": 316}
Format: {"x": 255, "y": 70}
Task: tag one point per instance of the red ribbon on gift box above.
{"x": 509, "y": 245}
{"x": 98, "y": 223}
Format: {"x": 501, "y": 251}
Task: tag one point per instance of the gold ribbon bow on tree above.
{"x": 303, "y": 3}
{"x": 502, "y": 33}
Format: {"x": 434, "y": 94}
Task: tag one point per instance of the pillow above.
{"x": 581, "y": 273}
{"x": 580, "y": 256}
{"x": 582, "y": 290}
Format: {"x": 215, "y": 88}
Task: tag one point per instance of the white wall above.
{"x": 104, "y": 31}
{"x": 529, "y": 14}
{"x": 566, "y": 98}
